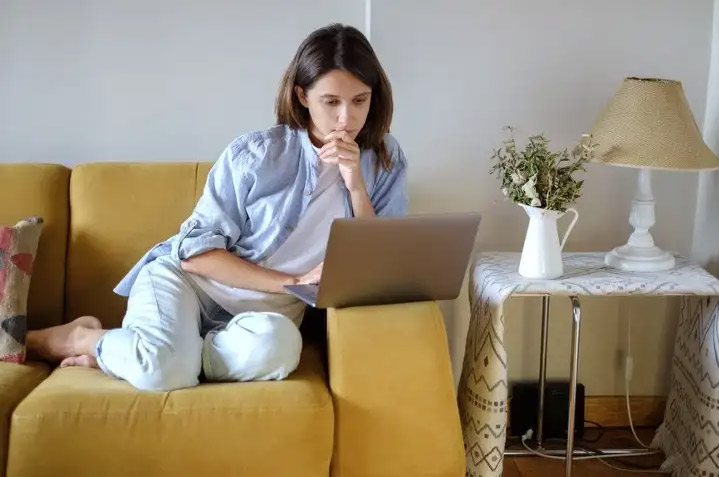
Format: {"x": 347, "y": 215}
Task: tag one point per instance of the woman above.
{"x": 211, "y": 299}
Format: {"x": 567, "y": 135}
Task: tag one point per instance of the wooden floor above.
{"x": 612, "y": 438}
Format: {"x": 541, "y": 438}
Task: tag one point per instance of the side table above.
{"x": 482, "y": 393}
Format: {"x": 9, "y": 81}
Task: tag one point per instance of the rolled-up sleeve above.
{"x": 216, "y": 222}
{"x": 390, "y": 193}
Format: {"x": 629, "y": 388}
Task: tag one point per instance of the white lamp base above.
{"x": 640, "y": 259}
{"x": 640, "y": 254}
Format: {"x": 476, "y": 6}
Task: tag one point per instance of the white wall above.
{"x": 705, "y": 246}
{"x": 462, "y": 70}
{"x": 95, "y": 80}
{"x": 91, "y": 80}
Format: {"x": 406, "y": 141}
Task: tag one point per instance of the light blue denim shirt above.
{"x": 257, "y": 191}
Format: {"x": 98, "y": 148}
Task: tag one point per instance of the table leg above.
{"x": 574, "y": 371}
{"x": 542, "y": 369}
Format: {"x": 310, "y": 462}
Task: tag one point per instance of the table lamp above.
{"x": 648, "y": 125}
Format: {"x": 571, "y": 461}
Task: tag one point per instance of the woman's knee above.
{"x": 159, "y": 346}
{"x": 278, "y": 352}
{"x": 164, "y": 368}
{"x": 253, "y": 346}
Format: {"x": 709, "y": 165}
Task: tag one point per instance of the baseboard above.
{"x": 611, "y": 411}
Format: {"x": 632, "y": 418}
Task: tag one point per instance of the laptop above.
{"x": 382, "y": 260}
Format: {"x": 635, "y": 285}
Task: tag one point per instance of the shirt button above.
{"x": 308, "y": 192}
{"x": 289, "y": 228}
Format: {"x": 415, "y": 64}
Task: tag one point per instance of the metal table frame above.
{"x": 569, "y": 453}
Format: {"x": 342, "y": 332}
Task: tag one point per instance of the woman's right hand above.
{"x": 312, "y": 277}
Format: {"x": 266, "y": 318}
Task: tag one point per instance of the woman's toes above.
{"x": 84, "y": 360}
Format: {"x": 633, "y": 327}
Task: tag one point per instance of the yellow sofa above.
{"x": 372, "y": 397}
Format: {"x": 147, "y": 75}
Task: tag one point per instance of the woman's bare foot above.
{"x": 58, "y": 342}
{"x": 84, "y": 360}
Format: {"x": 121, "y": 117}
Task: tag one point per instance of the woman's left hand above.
{"x": 312, "y": 277}
{"x": 342, "y": 150}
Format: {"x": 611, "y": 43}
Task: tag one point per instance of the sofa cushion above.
{"x": 203, "y": 170}
{"x": 80, "y": 422}
{"x": 119, "y": 211}
{"x": 16, "y": 382}
{"x": 41, "y": 190}
{"x": 18, "y": 248}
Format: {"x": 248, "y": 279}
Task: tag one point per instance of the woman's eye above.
{"x": 332, "y": 102}
{"x": 360, "y": 100}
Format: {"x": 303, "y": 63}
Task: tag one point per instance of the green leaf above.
{"x": 551, "y": 171}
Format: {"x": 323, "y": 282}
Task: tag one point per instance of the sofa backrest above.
{"x": 40, "y": 190}
{"x": 118, "y": 212}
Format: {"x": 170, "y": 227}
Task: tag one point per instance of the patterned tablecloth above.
{"x": 689, "y": 435}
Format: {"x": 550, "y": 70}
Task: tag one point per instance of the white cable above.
{"x": 624, "y": 469}
{"x": 628, "y": 371}
{"x": 528, "y": 435}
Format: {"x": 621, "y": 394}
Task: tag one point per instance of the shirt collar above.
{"x": 309, "y": 155}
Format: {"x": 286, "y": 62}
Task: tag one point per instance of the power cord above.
{"x": 628, "y": 371}
{"x": 625, "y": 469}
{"x": 601, "y": 457}
{"x": 599, "y": 427}
{"x": 528, "y": 435}
{"x": 598, "y": 455}
{"x": 618, "y": 460}
{"x": 586, "y": 445}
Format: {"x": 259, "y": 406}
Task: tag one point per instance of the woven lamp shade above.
{"x": 648, "y": 123}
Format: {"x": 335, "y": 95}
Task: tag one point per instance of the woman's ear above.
{"x": 300, "y": 92}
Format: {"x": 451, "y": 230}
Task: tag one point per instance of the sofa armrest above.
{"x": 391, "y": 381}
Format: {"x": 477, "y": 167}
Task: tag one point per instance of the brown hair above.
{"x": 346, "y": 48}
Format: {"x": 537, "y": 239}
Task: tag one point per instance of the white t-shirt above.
{"x": 303, "y": 250}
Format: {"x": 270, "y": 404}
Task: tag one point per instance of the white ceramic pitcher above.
{"x": 542, "y": 252}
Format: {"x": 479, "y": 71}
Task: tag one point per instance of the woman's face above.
{"x": 337, "y": 101}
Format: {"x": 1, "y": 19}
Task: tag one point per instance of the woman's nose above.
{"x": 342, "y": 118}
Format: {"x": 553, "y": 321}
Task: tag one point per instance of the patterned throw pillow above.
{"x": 18, "y": 246}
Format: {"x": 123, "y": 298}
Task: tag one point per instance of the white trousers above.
{"x": 161, "y": 347}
